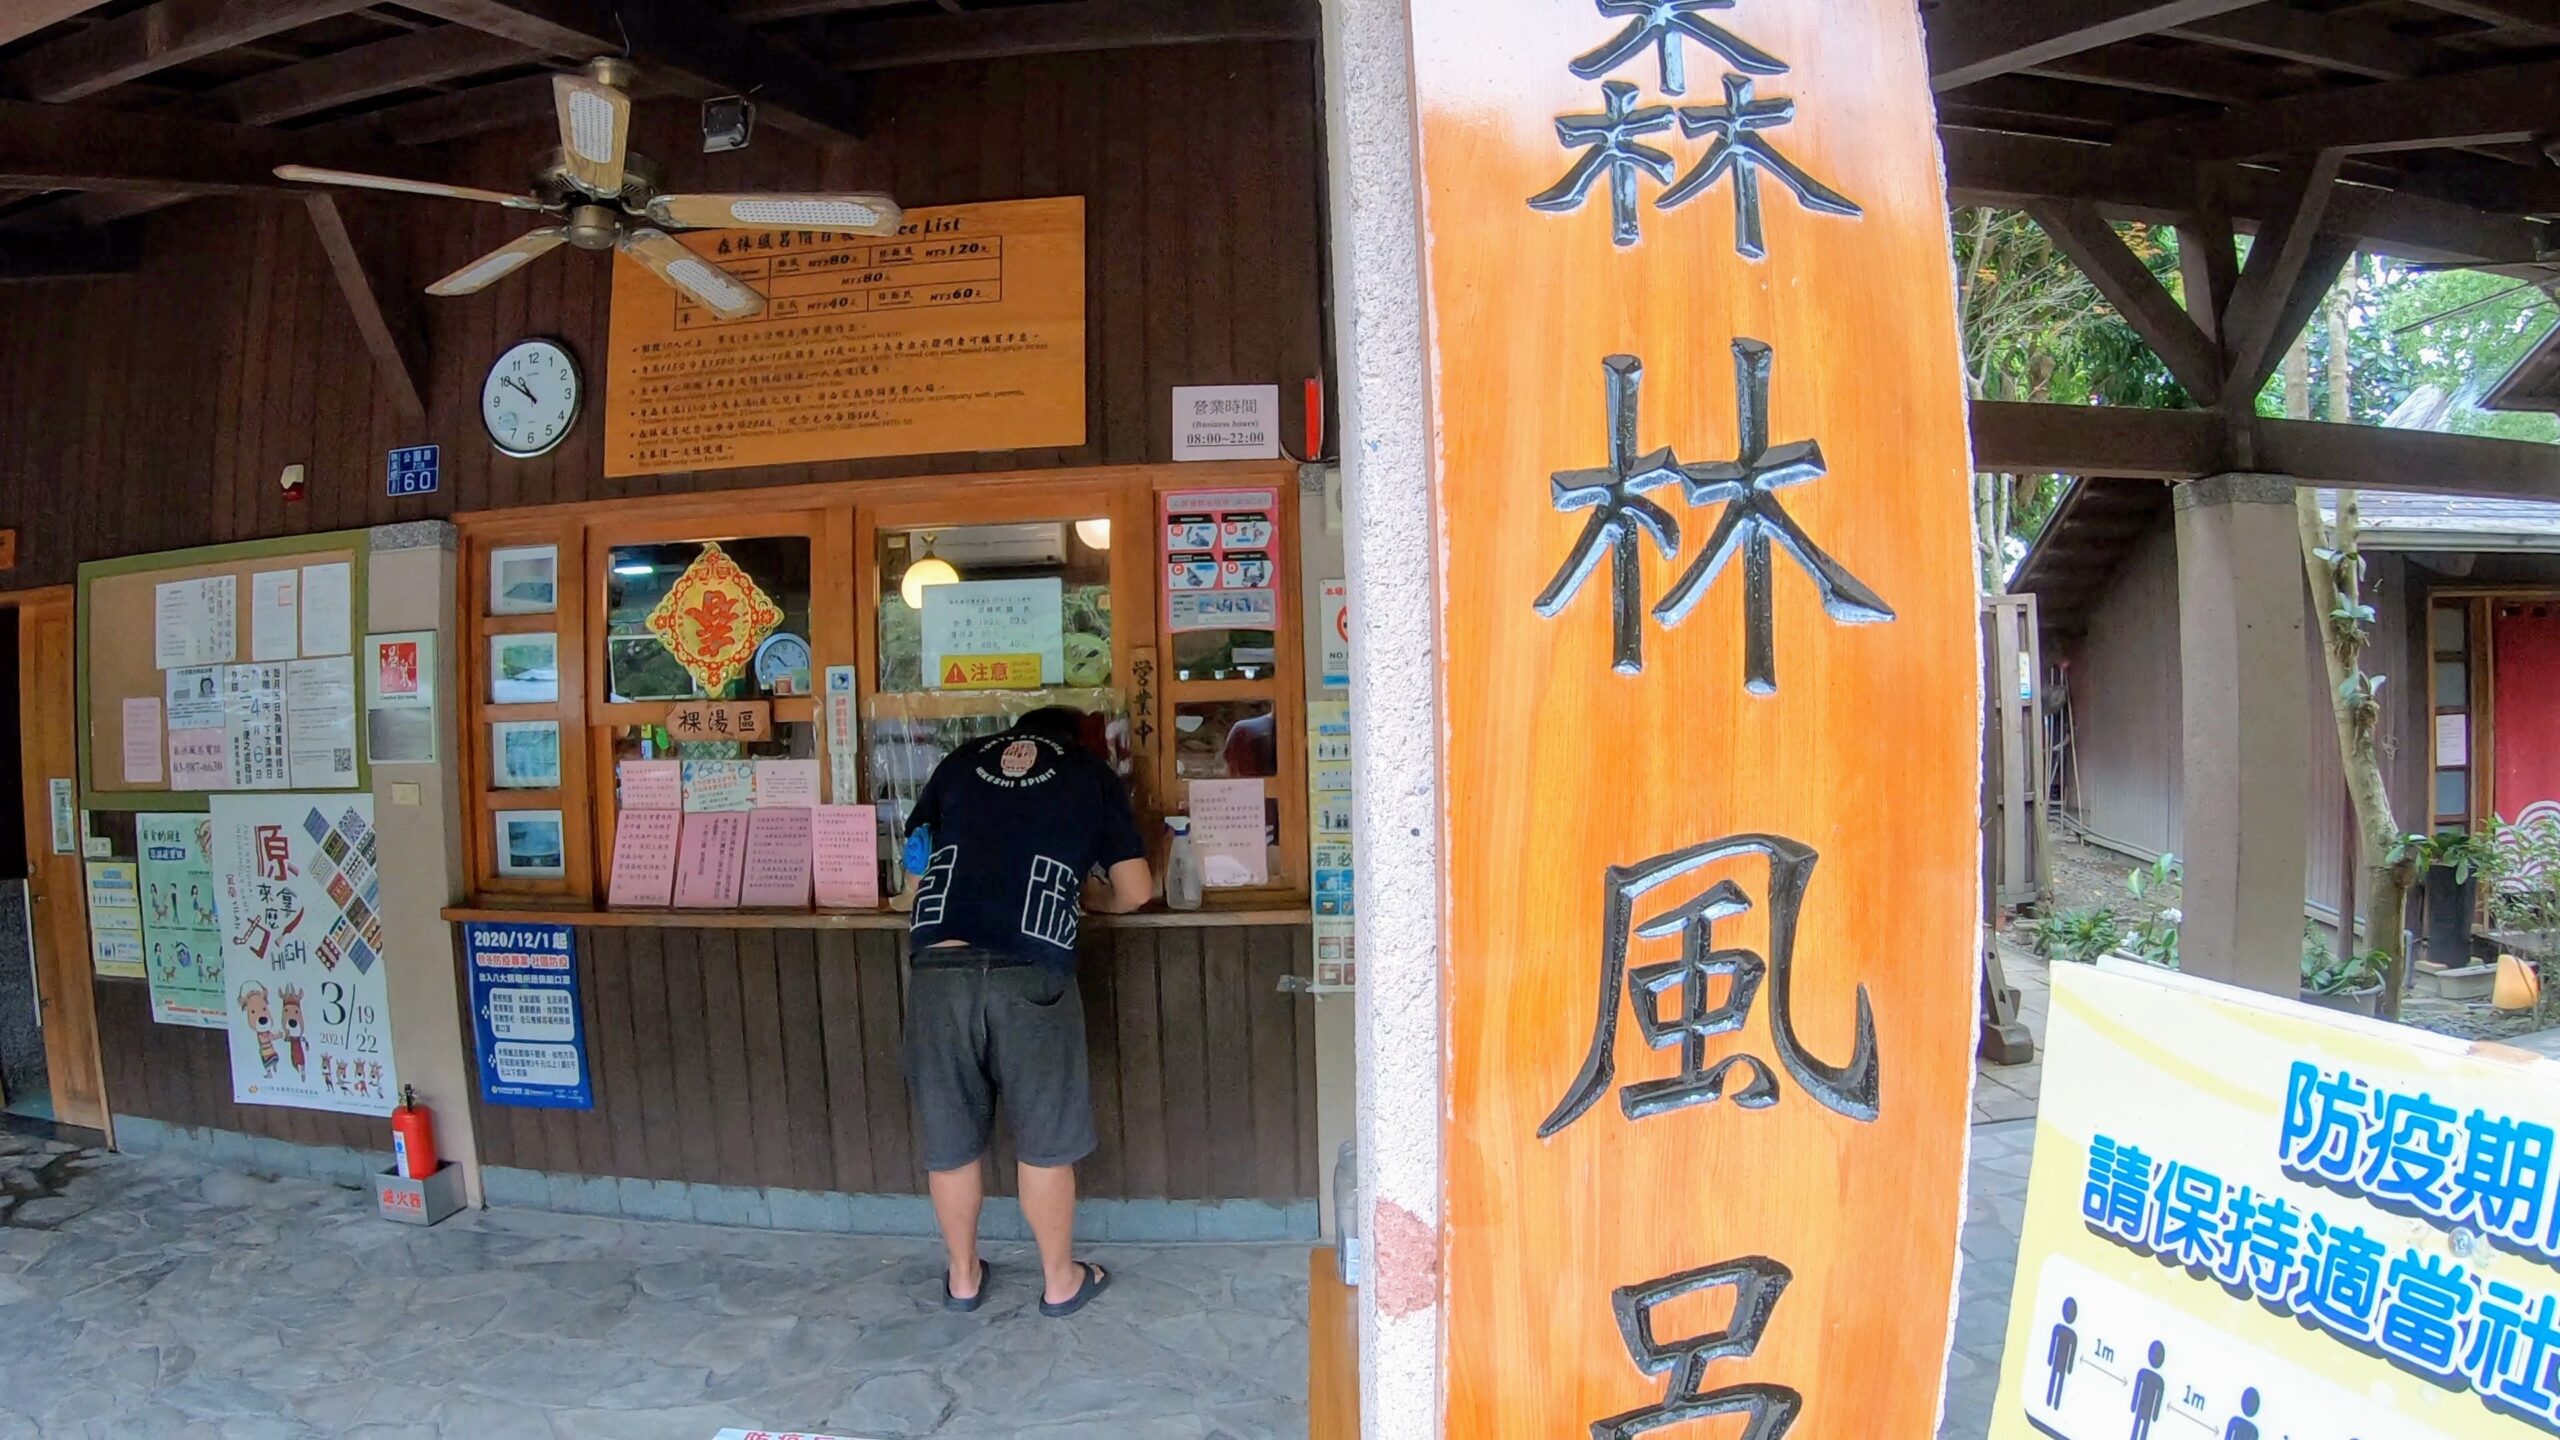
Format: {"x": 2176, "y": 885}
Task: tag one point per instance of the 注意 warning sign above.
{"x": 963, "y": 332}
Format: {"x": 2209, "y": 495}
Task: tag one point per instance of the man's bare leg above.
{"x": 1049, "y": 1203}
{"x": 958, "y": 1196}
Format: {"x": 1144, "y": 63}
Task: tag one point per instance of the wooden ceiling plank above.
{"x": 154, "y": 38}
{"x": 2187, "y": 74}
{"x": 384, "y": 314}
{"x": 2539, "y": 17}
{"x": 66, "y": 147}
{"x": 1060, "y": 29}
{"x": 758, "y": 12}
{"x": 22, "y": 18}
{"x": 76, "y": 255}
{"x": 1972, "y": 40}
{"x": 2082, "y": 233}
{"x": 2327, "y": 41}
{"x": 2511, "y": 102}
{"x": 421, "y": 57}
{"x": 685, "y": 41}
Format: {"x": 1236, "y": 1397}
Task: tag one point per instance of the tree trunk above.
{"x": 2336, "y": 594}
{"x": 2341, "y": 410}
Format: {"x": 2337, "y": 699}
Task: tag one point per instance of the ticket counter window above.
{"x": 1225, "y": 654}
{"x": 755, "y": 586}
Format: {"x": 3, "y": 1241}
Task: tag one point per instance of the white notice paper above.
{"x": 275, "y": 614}
{"x": 320, "y": 722}
{"x": 996, "y": 617}
{"x": 2453, "y": 741}
{"x": 195, "y": 622}
{"x": 142, "y": 740}
{"x": 195, "y": 697}
{"x": 328, "y": 604}
{"x": 253, "y": 725}
{"x": 1226, "y": 422}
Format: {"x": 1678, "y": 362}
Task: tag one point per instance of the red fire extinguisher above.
{"x": 413, "y": 1137}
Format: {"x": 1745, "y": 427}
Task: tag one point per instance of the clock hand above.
{"x": 529, "y": 396}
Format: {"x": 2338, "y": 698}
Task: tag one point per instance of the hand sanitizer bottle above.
{"x": 1181, "y": 867}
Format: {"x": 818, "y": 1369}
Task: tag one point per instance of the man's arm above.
{"x": 1132, "y": 886}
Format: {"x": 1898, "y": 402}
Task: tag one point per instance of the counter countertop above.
{"x": 847, "y": 919}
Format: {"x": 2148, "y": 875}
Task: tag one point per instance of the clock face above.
{"x": 530, "y": 399}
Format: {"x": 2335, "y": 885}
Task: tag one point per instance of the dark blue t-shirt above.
{"x": 1016, "y": 821}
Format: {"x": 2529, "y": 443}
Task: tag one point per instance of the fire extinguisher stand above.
{"x": 419, "y": 1199}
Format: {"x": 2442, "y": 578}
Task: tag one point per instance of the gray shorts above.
{"x": 983, "y": 1028}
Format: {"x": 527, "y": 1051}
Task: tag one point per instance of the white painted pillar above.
{"x": 2246, "y": 753}
{"x": 1377, "y": 286}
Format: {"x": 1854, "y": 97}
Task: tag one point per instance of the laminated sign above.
{"x": 1709, "y": 694}
{"x": 526, "y": 1016}
{"x": 302, "y": 944}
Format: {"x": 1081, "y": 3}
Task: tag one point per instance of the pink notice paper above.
{"x": 845, "y": 841}
{"x": 652, "y": 784}
{"x": 777, "y": 859}
{"x": 644, "y": 857}
{"x": 199, "y": 759}
{"x": 711, "y": 859}
{"x": 142, "y": 740}
{"x": 1227, "y": 833}
{"x": 786, "y": 784}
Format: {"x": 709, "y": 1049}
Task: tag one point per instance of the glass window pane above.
{"x": 2449, "y": 627}
{"x": 2453, "y": 684}
{"x": 639, "y": 664}
{"x": 1224, "y": 740}
{"x": 1224, "y": 654}
{"x": 2453, "y": 792}
{"x": 1075, "y": 555}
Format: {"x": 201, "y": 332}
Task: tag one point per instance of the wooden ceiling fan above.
{"x": 606, "y": 198}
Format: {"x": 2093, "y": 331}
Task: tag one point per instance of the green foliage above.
{"x": 2081, "y": 936}
{"x": 2324, "y": 973}
{"x": 2455, "y": 330}
{"x": 2520, "y": 873}
{"x": 2154, "y": 938}
{"x": 2078, "y": 936}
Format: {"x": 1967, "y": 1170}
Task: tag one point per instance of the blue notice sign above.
{"x": 412, "y": 470}
{"x": 526, "y": 1017}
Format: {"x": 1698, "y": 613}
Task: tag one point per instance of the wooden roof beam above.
{"x": 2536, "y": 16}
{"x": 22, "y": 18}
{"x": 403, "y": 62}
{"x": 65, "y": 147}
{"x": 2512, "y": 102}
{"x": 1060, "y": 29}
{"x": 2171, "y": 71}
{"x": 687, "y": 41}
{"x": 2079, "y": 231}
{"x": 2022, "y": 438}
{"x": 384, "y": 313}
{"x": 2120, "y": 442}
{"x": 153, "y": 38}
{"x": 1973, "y": 40}
{"x": 2253, "y": 334}
{"x": 2327, "y": 41}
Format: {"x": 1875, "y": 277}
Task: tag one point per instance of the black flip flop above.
{"x": 950, "y": 1301}
{"x": 1096, "y": 1280}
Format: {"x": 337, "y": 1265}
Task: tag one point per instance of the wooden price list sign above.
{"x": 1712, "y": 707}
{"x": 965, "y": 331}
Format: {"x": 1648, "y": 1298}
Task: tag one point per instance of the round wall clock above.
{"x": 531, "y": 398}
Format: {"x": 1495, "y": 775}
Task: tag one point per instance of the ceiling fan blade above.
{"x": 317, "y": 175}
{"x": 859, "y": 213}
{"x": 725, "y": 294}
{"x": 502, "y": 262}
{"x": 595, "y": 126}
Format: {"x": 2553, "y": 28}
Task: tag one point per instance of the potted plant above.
{"x": 2456, "y": 861}
{"x": 2524, "y": 897}
{"x": 2351, "y": 983}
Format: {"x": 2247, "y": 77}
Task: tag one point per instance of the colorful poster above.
{"x": 719, "y": 785}
{"x": 115, "y": 919}
{"x": 526, "y": 1016}
{"x": 299, "y": 896}
{"x": 980, "y": 619}
{"x": 968, "y": 327}
{"x": 644, "y": 858}
{"x": 777, "y": 868}
{"x": 181, "y": 920}
{"x": 710, "y": 860}
{"x": 142, "y": 740}
{"x": 842, "y": 774}
{"x": 844, "y": 845}
{"x": 1229, "y": 833}
{"x": 1221, "y": 570}
{"x": 2263, "y": 1219}
{"x": 253, "y": 723}
{"x": 1333, "y": 634}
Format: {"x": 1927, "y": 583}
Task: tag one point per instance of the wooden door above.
{"x": 55, "y": 891}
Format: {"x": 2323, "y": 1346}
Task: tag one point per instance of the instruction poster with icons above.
{"x": 2250, "y": 1219}
{"x": 1221, "y": 559}
{"x": 299, "y": 897}
{"x": 181, "y": 920}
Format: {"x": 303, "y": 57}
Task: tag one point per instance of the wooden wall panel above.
{"x": 770, "y": 1057}
{"x": 155, "y": 411}
{"x": 182, "y": 1076}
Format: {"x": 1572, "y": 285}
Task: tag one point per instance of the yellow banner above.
{"x": 963, "y": 332}
{"x": 2251, "y": 1219}
{"x": 989, "y": 672}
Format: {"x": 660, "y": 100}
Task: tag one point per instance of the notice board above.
{"x": 120, "y": 626}
{"x": 965, "y": 331}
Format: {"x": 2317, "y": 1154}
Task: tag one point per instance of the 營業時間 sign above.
{"x": 965, "y": 331}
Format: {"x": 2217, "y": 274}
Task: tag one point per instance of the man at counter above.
{"x": 1012, "y": 829}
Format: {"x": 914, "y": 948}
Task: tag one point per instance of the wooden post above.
{"x": 1710, "y": 704}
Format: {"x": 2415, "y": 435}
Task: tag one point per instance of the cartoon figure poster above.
{"x": 181, "y": 920}
{"x": 304, "y": 977}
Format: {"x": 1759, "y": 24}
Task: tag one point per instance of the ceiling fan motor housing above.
{"x": 592, "y": 227}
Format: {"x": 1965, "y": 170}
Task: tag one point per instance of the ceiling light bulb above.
{"x": 591, "y": 125}
{"x": 923, "y": 575}
{"x": 635, "y": 569}
{"x": 803, "y": 212}
{"x": 1096, "y": 534}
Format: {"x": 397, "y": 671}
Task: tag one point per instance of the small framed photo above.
{"x": 524, "y": 669}
{"x": 524, "y": 754}
{"x": 531, "y": 844}
{"x": 524, "y": 580}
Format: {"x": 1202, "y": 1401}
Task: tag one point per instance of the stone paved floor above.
{"x": 2004, "y": 1133}
{"x": 153, "y": 1297}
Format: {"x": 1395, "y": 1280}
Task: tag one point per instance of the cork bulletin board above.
{"x": 118, "y": 624}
